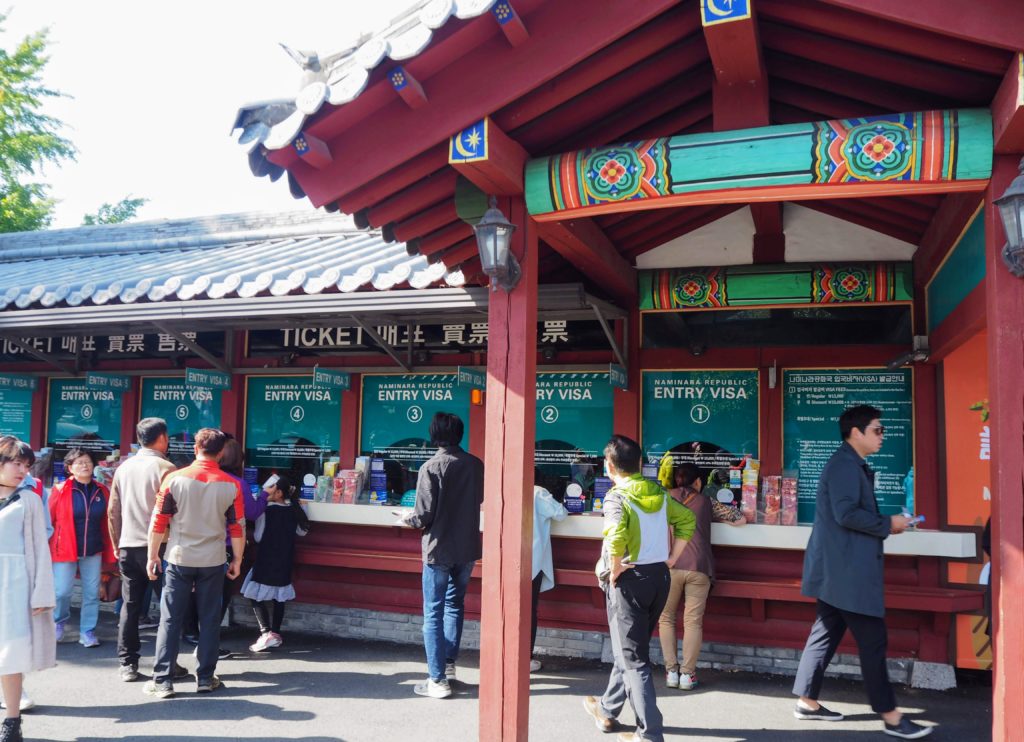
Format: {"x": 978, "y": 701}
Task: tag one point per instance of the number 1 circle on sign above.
{"x": 87, "y": 412}
{"x": 181, "y": 412}
{"x": 549, "y": 414}
{"x": 700, "y": 414}
{"x": 297, "y": 414}
{"x": 415, "y": 414}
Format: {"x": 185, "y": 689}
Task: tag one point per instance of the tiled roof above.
{"x": 340, "y": 77}
{"x": 224, "y": 257}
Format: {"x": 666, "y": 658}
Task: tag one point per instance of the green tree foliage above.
{"x": 28, "y": 137}
{"x": 123, "y": 211}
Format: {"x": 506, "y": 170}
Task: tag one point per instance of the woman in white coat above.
{"x": 545, "y": 509}
{"x": 27, "y": 638}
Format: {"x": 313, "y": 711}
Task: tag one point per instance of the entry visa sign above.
{"x": 204, "y": 378}
{"x": 17, "y": 381}
{"x": 472, "y": 378}
{"x": 326, "y": 379}
{"x": 617, "y": 376}
{"x": 109, "y": 382}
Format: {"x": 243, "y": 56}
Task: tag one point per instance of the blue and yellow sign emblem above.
{"x": 722, "y": 11}
{"x": 469, "y": 145}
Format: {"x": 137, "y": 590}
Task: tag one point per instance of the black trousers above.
{"x": 872, "y": 640}
{"x": 533, "y": 609}
{"x": 134, "y": 581}
{"x": 179, "y": 585}
{"x": 269, "y": 615}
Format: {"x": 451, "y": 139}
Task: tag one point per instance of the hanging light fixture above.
{"x": 1011, "y": 210}
{"x": 494, "y": 242}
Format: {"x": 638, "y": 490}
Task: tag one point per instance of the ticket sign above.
{"x": 290, "y": 424}
{"x": 82, "y": 417}
{"x": 709, "y": 418}
{"x": 15, "y": 412}
{"x": 813, "y": 400}
{"x": 185, "y": 410}
{"x": 397, "y": 411}
{"x": 575, "y": 418}
{"x": 205, "y": 378}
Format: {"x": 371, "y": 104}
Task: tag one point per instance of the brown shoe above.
{"x": 592, "y": 707}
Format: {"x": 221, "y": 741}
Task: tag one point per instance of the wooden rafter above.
{"x": 1008, "y": 109}
{"x": 769, "y": 235}
{"x": 740, "y": 88}
{"x": 693, "y": 218}
{"x": 840, "y": 211}
{"x": 425, "y": 222}
{"x": 425, "y": 193}
{"x": 581, "y": 242}
{"x": 391, "y": 183}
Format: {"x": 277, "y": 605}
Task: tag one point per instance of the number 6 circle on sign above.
{"x": 549, "y": 414}
{"x": 87, "y": 412}
{"x": 415, "y": 414}
{"x": 700, "y": 414}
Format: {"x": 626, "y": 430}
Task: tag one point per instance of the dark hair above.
{"x": 624, "y": 453}
{"x": 858, "y": 417}
{"x": 446, "y": 429}
{"x": 685, "y": 474}
{"x": 231, "y": 459}
{"x": 77, "y": 453}
{"x": 15, "y": 449}
{"x": 210, "y": 440}
{"x": 291, "y": 493}
{"x": 149, "y": 429}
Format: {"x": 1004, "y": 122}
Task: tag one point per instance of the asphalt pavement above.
{"x": 318, "y": 689}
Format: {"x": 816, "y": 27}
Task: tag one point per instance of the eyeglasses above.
{"x": 879, "y": 429}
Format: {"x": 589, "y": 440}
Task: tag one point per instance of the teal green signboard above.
{"x": 114, "y": 382}
{"x": 575, "y": 419}
{"x": 185, "y": 409}
{"x": 473, "y": 378}
{"x": 18, "y": 381}
{"x": 205, "y": 378}
{"x": 326, "y": 379}
{"x": 83, "y": 417}
{"x": 16, "y": 412}
{"x": 709, "y": 418}
{"x": 290, "y": 425}
{"x": 813, "y": 400}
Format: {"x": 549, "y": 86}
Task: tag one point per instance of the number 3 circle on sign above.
{"x": 415, "y": 414}
{"x": 181, "y": 412}
{"x": 549, "y": 414}
{"x": 297, "y": 414}
{"x": 700, "y": 414}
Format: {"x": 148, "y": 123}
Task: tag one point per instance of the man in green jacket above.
{"x": 640, "y": 520}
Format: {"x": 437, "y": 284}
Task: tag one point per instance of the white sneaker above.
{"x": 25, "y": 704}
{"x": 535, "y": 665}
{"x": 687, "y": 681}
{"x": 672, "y": 679}
{"x": 433, "y": 688}
{"x": 275, "y": 640}
{"x": 263, "y": 643}
{"x": 449, "y": 670}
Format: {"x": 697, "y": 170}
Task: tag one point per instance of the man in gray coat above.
{"x": 843, "y": 572}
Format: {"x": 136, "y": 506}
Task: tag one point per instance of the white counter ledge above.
{"x": 951, "y": 544}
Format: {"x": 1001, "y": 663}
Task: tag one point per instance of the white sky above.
{"x": 154, "y": 88}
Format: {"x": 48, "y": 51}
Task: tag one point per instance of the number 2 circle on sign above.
{"x": 700, "y": 414}
{"x": 297, "y": 414}
{"x": 181, "y": 412}
{"x": 549, "y": 414}
{"x": 415, "y": 414}
{"x": 87, "y": 412}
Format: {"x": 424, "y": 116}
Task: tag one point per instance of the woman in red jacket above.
{"x": 80, "y": 542}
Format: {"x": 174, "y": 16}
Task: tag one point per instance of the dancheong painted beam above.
{"x": 893, "y": 154}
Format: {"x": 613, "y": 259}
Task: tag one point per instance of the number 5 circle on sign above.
{"x": 700, "y": 414}
{"x": 549, "y": 414}
{"x": 181, "y": 412}
{"x": 297, "y": 414}
{"x": 415, "y": 414}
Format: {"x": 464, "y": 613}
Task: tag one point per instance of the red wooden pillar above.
{"x": 1004, "y": 297}
{"x": 508, "y": 494}
{"x": 350, "y": 410}
{"x": 627, "y": 401}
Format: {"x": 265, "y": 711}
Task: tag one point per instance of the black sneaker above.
{"x": 10, "y": 731}
{"x": 906, "y": 729}
{"x": 819, "y": 714}
{"x": 208, "y": 686}
{"x": 180, "y": 672}
{"x": 129, "y": 673}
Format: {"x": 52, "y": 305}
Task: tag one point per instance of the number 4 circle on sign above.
{"x": 297, "y": 414}
{"x": 700, "y": 414}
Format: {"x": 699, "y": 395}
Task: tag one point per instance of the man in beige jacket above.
{"x": 132, "y": 498}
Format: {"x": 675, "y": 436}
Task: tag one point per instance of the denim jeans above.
{"x": 179, "y": 583}
{"x": 444, "y": 596}
{"x": 64, "y": 581}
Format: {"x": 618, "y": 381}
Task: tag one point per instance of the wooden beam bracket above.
{"x": 510, "y": 22}
{"x": 408, "y": 87}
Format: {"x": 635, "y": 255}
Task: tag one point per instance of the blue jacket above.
{"x": 844, "y": 560}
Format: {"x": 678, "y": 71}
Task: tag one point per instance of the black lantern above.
{"x": 494, "y": 241}
{"x": 1011, "y": 209}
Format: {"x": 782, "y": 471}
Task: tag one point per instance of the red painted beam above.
{"x": 444, "y": 238}
{"x": 1008, "y": 109}
{"x": 1004, "y": 295}
{"x": 426, "y": 222}
{"x": 680, "y": 121}
{"x": 385, "y": 142}
{"x": 427, "y": 192}
{"x": 963, "y": 323}
{"x": 849, "y": 84}
{"x": 582, "y": 243}
{"x": 501, "y": 171}
{"x": 990, "y": 22}
{"x": 648, "y": 77}
{"x": 510, "y": 23}
{"x": 644, "y": 227}
{"x": 966, "y": 87}
{"x": 945, "y": 228}
{"x": 921, "y": 214}
{"x": 673, "y": 25}
{"x": 313, "y": 151}
{"x": 408, "y": 87}
{"x": 824, "y": 102}
{"x": 889, "y": 217}
{"x": 855, "y": 26}
{"x": 769, "y": 235}
{"x": 740, "y": 89}
{"x": 458, "y": 253}
{"x": 389, "y": 184}
{"x": 832, "y": 208}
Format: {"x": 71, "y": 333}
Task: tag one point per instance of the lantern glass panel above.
{"x": 1010, "y": 209}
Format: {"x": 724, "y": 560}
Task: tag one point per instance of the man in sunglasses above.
{"x": 843, "y": 572}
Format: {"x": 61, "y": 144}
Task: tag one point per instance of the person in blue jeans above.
{"x": 449, "y": 492}
{"x": 80, "y": 542}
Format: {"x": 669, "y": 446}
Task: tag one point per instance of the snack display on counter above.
{"x": 789, "y": 501}
{"x": 378, "y": 483}
{"x": 748, "y": 491}
{"x": 771, "y": 498}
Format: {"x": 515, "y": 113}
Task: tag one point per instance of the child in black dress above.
{"x": 279, "y": 519}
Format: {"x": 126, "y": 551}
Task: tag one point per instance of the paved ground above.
{"x": 315, "y": 689}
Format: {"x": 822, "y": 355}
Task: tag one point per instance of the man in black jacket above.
{"x": 449, "y": 492}
{"x": 843, "y": 572}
